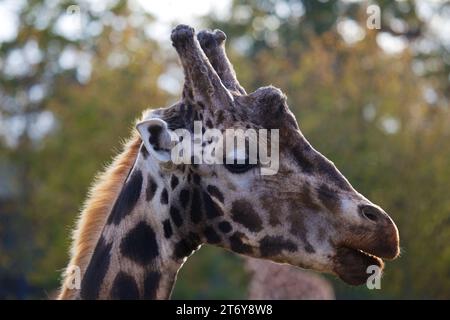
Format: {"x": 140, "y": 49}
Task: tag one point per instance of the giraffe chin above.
{"x": 351, "y": 265}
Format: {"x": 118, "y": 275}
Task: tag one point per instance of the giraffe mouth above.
{"x": 352, "y": 265}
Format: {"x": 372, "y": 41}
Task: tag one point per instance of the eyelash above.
{"x": 239, "y": 168}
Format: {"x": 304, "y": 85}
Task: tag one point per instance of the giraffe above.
{"x": 146, "y": 215}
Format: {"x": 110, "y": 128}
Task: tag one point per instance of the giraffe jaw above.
{"x": 352, "y": 265}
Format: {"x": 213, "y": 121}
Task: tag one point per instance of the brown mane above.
{"x": 103, "y": 192}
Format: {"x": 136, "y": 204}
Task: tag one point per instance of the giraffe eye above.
{"x": 239, "y": 168}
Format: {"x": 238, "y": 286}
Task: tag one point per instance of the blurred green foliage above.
{"x": 361, "y": 107}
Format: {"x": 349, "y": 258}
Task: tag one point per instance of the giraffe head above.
{"x": 307, "y": 214}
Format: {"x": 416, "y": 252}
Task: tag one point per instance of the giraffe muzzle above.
{"x": 382, "y": 237}
{"x": 366, "y": 245}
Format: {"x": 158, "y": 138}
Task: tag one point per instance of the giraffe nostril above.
{"x": 371, "y": 213}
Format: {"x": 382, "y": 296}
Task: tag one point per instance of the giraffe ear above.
{"x": 156, "y": 138}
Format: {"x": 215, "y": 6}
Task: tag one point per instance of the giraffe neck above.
{"x": 139, "y": 252}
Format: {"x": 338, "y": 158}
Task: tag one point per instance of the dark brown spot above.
{"x": 302, "y": 158}
{"x": 124, "y": 287}
{"x": 96, "y": 270}
{"x": 196, "y": 207}
{"x": 151, "y": 188}
{"x": 151, "y": 284}
{"x": 215, "y": 192}
{"x": 196, "y": 178}
{"x": 211, "y": 235}
{"x": 167, "y": 228}
{"x": 196, "y": 116}
{"x": 194, "y": 239}
{"x": 305, "y": 199}
{"x": 225, "y": 226}
{"x": 299, "y": 229}
{"x": 237, "y": 245}
{"x": 272, "y": 207}
{"x": 212, "y": 209}
{"x": 220, "y": 117}
{"x": 273, "y": 246}
{"x": 202, "y": 106}
{"x": 309, "y": 248}
{"x": 184, "y": 198}
{"x": 328, "y": 197}
{"x": 175, "y": 215}
{"x": 243, "y": 213}
{"x": 184, "y": 247}
{"x": 164, "y": 197}
{"x": 127, "y": 198}
{"x": 144, "y": 152}
{"x": 140, "y": 244}
{"x": 189, "y": 112}
{"x": 174, "y": 182}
